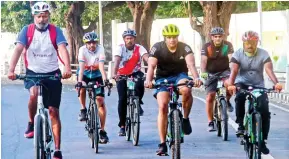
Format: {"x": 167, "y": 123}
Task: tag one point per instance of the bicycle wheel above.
{"x": 217, "y": 118}
{"x": 128, "y": 123}
{"x": 224, "y": 117}
{"x": 258, "y": 135}
{"x": 91, "y": 126}
{"x": 176, "y": 147}
{"x": 135, "y": 122}
{"x": 38, "y": 138}
{"x": 96, "y": 128}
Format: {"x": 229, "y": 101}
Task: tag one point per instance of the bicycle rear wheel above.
{"x": 38, "y": 138}
{"x": 128, "y": 123}
{"x": 224, "y": 117}
{"x": 135, "y": 122}
{"x": 96, "y": 128}
{"x": 176, "y": 146}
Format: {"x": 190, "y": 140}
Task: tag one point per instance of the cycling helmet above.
{"x": 250, "y": 35}
{"x": 217, "y": 31}
{"x": 40, "y": 7}
{"x": 90, "y": 36}
{"x": 171, "y": 30}
{"x": 129, "y": 32}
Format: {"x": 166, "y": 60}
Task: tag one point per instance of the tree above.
{"x": 216, "y": 13}
{"x": 143, "y": 16}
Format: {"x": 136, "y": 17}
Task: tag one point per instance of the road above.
{"x": 75, "y": 143}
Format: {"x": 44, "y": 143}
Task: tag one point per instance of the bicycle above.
{"x": 220, "y": 107}
{"x": 43, "y": 137}
{"x": 253, "y": 137}
{"x": 175, "y": 135}
{"x": 132, "y": 125}
{"x": 92, "y": 125}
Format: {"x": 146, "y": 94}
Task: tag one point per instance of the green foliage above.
{"x": 251, "y": 6}
{"x": 14, "y": 15}
{"x": 58, "y": 13}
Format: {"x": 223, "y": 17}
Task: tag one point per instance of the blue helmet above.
{"x": 129, "y": 32}
{"x": 90, "y": 36}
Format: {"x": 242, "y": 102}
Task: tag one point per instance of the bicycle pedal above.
{"x": 163, "y": 154}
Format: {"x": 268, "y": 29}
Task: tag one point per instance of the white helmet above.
{"x": 40, "y": 7}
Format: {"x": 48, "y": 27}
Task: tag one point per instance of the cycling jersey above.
{"x": 91, "y": 59}
{"x": 170, "y": 64}
{"x": 218, "y": 60}
{"x": 251, "y": 68}
{"x": 41, "y": 56}
{"x": 130, "y": 59}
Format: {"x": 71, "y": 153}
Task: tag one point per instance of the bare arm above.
{"x": 204, "y": 60}
{"x": 234, "y": 72}
{"x": 152, "y": 63}
{"x": 81, "y": 70}
{"x": 269, "y": 70}
{"x": 145, "y": 57}
{"x": 65, "y": 56}
{"x": 229, "y": 56}
{"x": 117, "y": 60}
{"x": 190, "y": 60}
{"x": 102, "y": 71}
{"x": 16, "y": 55}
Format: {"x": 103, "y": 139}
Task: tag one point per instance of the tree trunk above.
{"x": 143, "y": 16}
{"x": 74, "y": 29}
{"x": 216, "y": 14}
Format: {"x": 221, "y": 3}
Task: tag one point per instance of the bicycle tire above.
{"x": 91, "y": 124}
{"x": 224, "y": 117}
{"x": 38, "y": 138}
{"x": 136, "y": 122}
{"x": 176, "y": 147}
{"x": 48, "y": 134}
{"x": 259, "y": 136}
{"x": 96, "y": 128}
{"x": 217, "y": 118}
{"x": 128, "y": 123}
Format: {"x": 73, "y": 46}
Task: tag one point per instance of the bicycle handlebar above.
{"x": 95, "y": 86}
{"x": 188, "y": 83}
{"x": 125, "y": 77}
{"x": 23, "y": 76}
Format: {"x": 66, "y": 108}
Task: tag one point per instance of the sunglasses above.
{"x": 251, "y": 42}
{"x": 218, "y": 36}
{"x": 91, "y": 42}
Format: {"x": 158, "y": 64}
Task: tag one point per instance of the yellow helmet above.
{"x": 171, "y": 30}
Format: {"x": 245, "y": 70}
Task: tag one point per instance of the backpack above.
{"x": 52, "y": 33}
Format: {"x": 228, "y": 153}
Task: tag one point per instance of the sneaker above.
{"x": 121, "y": 132}
{"x": 29, "y": 133}
{"x": 140, "y": 111}
{"x": 264, "y": 148}
{"x": 211, "y": 126}
{"x": 103, "y": 138}
{"x": 57, "y": 155}
{"x": 187, "y": 126}
{"x": 163, "y": 149}
{"x": 230, "y": 108}
{"x": 240, "y": 130}
{"x": 82, "y": 115}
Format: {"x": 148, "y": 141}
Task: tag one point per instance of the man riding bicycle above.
{"x": 215, "y": 60}
{"x": 41, "y": 58}
{"x": 91, "y": 59}
{"x": 247, "y": 68}
{"x": 128, "y": 58}
{"x": 172, "y": 59}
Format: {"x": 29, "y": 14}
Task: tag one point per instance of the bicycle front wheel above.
{"x": 128, "y": 123}
{"x": 224, "y": 117}
{"x": 135, "y": 121}
{"x": 38, "y": 138}
{"x": 259, "y": 136}
{"x": 96, "y": 128}
{"x": 176, "y": 146}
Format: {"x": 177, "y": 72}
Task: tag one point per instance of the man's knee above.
{"x": 54, "y": 113}
{"x": 100, "y": 100}
{"x": 186, "y": 92}
{"x": 163, "y": 101}
{"x": 210, "y": 97}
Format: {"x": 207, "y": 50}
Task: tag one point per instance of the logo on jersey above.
{"x": 188, "y": 49}
{"x": 181, "y": 57}
{"x": 153, "y": 50}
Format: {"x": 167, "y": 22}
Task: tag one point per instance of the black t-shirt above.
{"x": 170, "y": 64}
{"x": 218, "y": 60}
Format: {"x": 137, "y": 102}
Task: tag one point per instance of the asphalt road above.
{"x": 75, "y": 143}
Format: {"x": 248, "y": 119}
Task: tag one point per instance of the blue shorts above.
{"x": 171, "y": 79}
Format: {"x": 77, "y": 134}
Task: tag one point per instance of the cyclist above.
{"x": 247, "y": 68}
{"x": 128, "y": 58}
{"x": 172, "y": 59}
{"x": 91, "y": 59}
{"x": 215, "y": 60}
{"x": 41, "y": 59}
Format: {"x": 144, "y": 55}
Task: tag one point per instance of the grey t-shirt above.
{"x": 251, "y": 68}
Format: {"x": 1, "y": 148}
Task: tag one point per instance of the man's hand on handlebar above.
{"x": 197, "y": 82}
{"x": 148, "y": 84}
